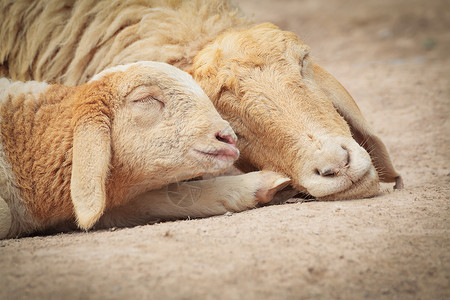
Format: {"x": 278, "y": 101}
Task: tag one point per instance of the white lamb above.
{"x": 92, "y": 155}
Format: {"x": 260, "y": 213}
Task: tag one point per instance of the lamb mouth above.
{"x": 221, "y": 154}
{"x": 363, "y": 180}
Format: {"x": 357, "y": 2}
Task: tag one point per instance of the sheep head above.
{"x": 290, "y": 115}
{"x": 139, "y": 127}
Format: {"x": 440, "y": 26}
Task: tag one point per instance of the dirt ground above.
{"x": 394, "y": 58}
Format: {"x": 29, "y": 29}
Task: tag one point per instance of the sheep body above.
{"x": 261, "y": 79}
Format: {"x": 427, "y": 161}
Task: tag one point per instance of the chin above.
{"x": 213, "y": 162}
{"x": 366, "y": 187}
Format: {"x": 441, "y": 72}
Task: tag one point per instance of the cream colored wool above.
{"x": 69, "y": 42}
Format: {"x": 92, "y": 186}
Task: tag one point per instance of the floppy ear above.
{"x": 204, "y": 71}
{"x": 360, "y": 128}
{"x": 90, "y": 163}
{"x": 209, "y": 71}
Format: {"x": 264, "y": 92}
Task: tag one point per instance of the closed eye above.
{"x": 145, "y": 99}
{"x": 149, "y": 100}
{"x": 304, "y": 64}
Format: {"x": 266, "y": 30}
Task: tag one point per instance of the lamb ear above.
{"x": 90, "y": 164}
{"x": 360, "y": 128}
{"x": 205, "y": 72}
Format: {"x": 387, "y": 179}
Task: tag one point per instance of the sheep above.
{"x": 70, "y": 156}
{"x": 291, "y": 116}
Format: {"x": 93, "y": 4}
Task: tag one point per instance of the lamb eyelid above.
{"x": 304, "y": 58}
{"x": 147, "y": 99}
{"x": 303, "y": 63}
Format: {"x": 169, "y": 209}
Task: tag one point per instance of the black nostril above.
{"x": 327, "y": 172}
{"x": 225, "y": 138}
{"x": 337, "y": 165}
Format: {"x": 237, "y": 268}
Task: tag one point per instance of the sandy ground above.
{"x": 394, "y": 58}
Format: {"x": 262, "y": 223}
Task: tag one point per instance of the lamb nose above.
{"x": 328, "y": 172}
{"x": 340, "y": 164}
{"x": 225, "y": 137}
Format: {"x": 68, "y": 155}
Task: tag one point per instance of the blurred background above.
{"x": 400, "y": 28}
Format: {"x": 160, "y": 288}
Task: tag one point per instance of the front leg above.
{"x": 196, "y": 199}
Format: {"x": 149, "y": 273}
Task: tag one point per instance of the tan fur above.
{"x": 266, "y": 77}
{"x": 9, "y": 189}
{"x": 30, "y": 128}
{"x": 290, "y": 114}
{"x": 71, "y": 153}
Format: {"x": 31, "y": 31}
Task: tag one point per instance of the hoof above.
{"x": 271, "y": 183}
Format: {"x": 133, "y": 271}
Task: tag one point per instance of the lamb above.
{"x": 77, "y": 155}
{"x": 291, "y": 116}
